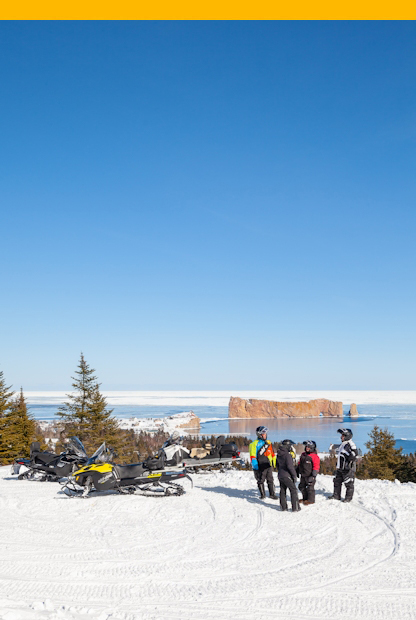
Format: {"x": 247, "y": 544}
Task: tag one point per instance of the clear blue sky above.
{"x": 208, "y": 204}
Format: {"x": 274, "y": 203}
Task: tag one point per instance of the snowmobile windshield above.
{"x": 98, "y": 454}
{"x": 75, "y": 446}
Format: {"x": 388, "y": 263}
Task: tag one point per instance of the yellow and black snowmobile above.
{"x": 151, "y": 477}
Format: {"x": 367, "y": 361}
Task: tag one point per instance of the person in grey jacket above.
{"x": 287, "y": 475}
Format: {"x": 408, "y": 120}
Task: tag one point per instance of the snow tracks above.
{"x": 216, "y": 552}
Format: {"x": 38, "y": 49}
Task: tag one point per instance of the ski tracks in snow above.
{"x": 216, "y": 551}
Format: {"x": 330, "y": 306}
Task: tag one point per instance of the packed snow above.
{"x": 215, "y": 552}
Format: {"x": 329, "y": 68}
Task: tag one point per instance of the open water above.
{"x": 398, "y": 414}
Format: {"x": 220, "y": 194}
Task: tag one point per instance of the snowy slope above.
{"x": 215, "y": 553}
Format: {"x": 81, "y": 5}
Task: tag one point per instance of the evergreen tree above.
{"x": 86, "y": 415}
{"x": 6, "y": 396}
{"x": 407, "y": 470}
{"x": 383, "y": 459}
{"x": 19, "y": 428}
{"x": 103, "y": 426}
{"x": 75, "y": 412}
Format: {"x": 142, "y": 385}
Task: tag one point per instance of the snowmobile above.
{"x": 153, "y": 477}
{"x": 150, "y": 477}
{"x": 222, "y": 456}
{"x": 47, "y": 466}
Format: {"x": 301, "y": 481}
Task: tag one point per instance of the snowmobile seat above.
{"x": 154, "y": 462}
{"x": 34, "y": 447}
{"x": 39, "y": 457}
{"x": 130, "y": 471}
{"x": 214, "y": 454}
{"x": 228, "y": 450}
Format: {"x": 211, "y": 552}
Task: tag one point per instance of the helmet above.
{"x": 310, "y": 444}
{"x": 260, "y": 430}
{"x": 288, "y": 442}
{"x": 347, "y": 432}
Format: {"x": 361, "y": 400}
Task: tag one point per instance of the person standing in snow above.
{"x": 287, "y": 475}
{"x": 346, "y": 465}
{"x": 263, "y": 459}
{"x": 308, "y": 469}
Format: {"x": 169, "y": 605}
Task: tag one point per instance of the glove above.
{"x": 311, "y": 479}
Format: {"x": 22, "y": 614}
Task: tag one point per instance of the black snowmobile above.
{"x": 222, "y": 455}
{"x": 47, "y": 466}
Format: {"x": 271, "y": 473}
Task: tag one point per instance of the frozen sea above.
{"x": 395, "y": 410}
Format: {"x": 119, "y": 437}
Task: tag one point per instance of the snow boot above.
{"x": 334, "y": 497}
{"x": 272, "y": 491}
{"x": 347, "y": 499}
{"x": 262, "y": 491}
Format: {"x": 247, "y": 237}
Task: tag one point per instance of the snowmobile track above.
{"x": 216, "y": 552}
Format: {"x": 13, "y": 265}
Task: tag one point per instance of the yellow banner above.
{"x": 212, "y": 10}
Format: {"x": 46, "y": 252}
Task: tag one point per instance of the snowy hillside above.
{"x": 182, "y": 422}
{"x": 215, "y": 553}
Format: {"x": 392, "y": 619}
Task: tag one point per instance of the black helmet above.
{"x": 260, "y": 430}
{"x": 310, "y": 444}
{"x": 288, "y": 442}
{"x": 347, "y": 432}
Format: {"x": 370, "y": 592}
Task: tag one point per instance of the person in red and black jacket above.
{"x": 308, "y": 469}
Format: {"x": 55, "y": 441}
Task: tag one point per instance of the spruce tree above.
{"x": 6, "y": 396}
{"x": 20, "y": 428}
{"x": 102, "y": 424}
{"x": 86, "y": 413}
{"x": 383, "y": 459}
{"x": 76, "y": 411}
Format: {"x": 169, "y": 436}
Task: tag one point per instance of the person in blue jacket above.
{"x": 263, "y": 460}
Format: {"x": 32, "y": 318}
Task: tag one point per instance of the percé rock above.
{"x": 253, "y": 408}
{"x": 353, "y": 410}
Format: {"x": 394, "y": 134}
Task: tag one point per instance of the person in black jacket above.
{"x": 287, "y": 475}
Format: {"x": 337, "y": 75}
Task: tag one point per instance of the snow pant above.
{"x": 264, "y": 474}
{"x": 347, "y": 477}
{"x": 286, "y": 482}
{"x": 307, "y": 488}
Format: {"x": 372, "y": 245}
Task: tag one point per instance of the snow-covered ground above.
{"x": 216, "y": 552}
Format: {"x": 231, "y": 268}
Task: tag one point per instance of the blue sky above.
{"x": 208, "y": 204}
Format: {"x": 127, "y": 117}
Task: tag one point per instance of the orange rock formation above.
{"x": 252, "y": 408}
